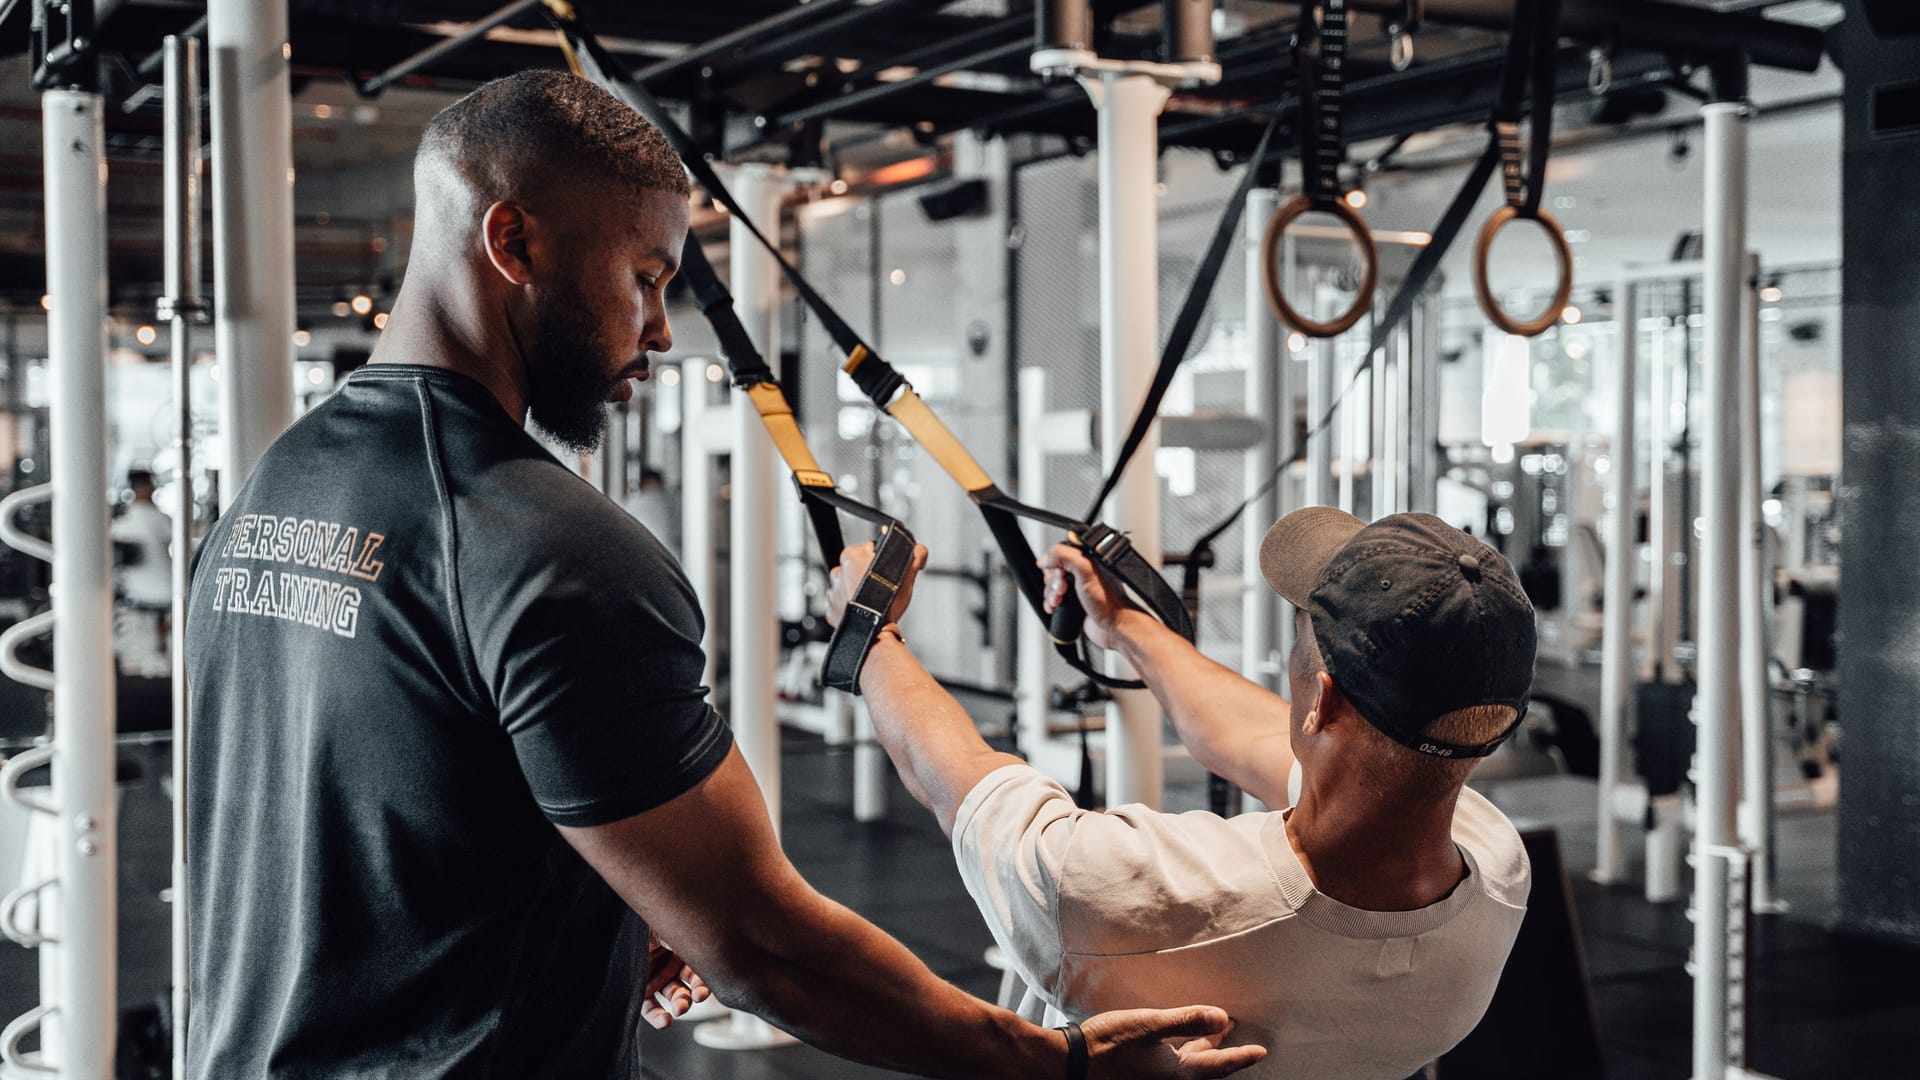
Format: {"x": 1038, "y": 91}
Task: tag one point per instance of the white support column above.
{"x": 1321, "y": 376}
{"x": 1756, "y": 707}
{"x": 181, "y": 202}
{"x": 252, "y": 228}
{"x": 1623, "y": 550}
{"x": 1717, "y": 763}
{"x": 1659, "y": 665}
{"x": 79, "y": 1034}
{"x": 1032, "y": 704}
{"x": 870, "y": 767}
{"x": 753, "y": 630}
{"x": 696, "y": 502}
{"x": 1267, "y": 395}
{"x": 1129, "y": 143}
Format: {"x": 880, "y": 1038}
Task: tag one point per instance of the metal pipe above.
{"x": 79, "y": 1033}
{"x": 696, "y": 503}
{"x": 753, "y": 629}
{"x": 700, "y": 55}
{"x": 181, "y": 200}
{"x": 1718, "y": 762}
{"x": 252, "y": 228}
{"x": 1756, "y": 701}
{"x": 152, "y": 65}
{"x": 1266, "y": 396}
{"x": 1032, "y": 704}
{"x": 1659, "y": 531}
{"x": 1321, "y": 377}
{"x": 1623, "y": 550}
{"x": 1129, "y": 108}
{"x": 474, "y": 31}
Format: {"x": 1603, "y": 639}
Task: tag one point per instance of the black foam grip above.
{"x": 1068, "y": 621}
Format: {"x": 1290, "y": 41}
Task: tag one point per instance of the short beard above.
{"x": 567, "y": 372}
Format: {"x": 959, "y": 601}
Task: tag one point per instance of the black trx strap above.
{"x": 1199, "y": 294}
{"x": 1323, "y": 83}
{"x": 1531, "y": 55}
{"x": 893, "y": 543}
{"x": 888, "y": 390}
{"x": 1106, "y": 547}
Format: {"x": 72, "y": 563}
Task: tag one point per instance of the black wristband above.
{"x": 1076, "y": 1050}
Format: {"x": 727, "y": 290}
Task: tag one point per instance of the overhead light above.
{"x": 670, "y": 376}
{"x": 342, "y": 308}
{"x": 146, "y": 335}
{"x": 316, "y": 376}
{"x": 1570, "y": 315}
{"x": 1296, "y": 342}
{"x": 46, "y": 301}
{"x": 716, "y": 373}
{"x": 380, "y": 320}
{"x": 897, "y": 275}
{"x": 838, "y": 187}
{"x": 362, "y": 304}
{"x": 323, "y": 112}
{"x": 1357, "y": 198}
{"x": 302, "y": 339}
{"x": 1771, "y": 294}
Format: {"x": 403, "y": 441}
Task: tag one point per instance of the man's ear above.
{"x": 504, "y": 229}
{"x": 1323, "y": 698}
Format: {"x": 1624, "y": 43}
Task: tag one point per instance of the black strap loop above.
{"x": 1323, "y": 148}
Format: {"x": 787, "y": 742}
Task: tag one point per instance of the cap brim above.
{"x": 1299, "y": 546}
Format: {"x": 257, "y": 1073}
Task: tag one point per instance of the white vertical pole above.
{"x": 696, "y": 502}
{"x": 1321, "y": 376}
{"x": 1031, "y": 705}
{"x": 1756, "y": 744}
{"x": 1616, "y": 643}
{"x": 1659, "y": 666}
{"x": 182, "y": 229}
{"x": 870, "y": 766}
{"x": 753, "y": 633}
{"x": 753, "y": 630}
{"x": 1129, "y": 144}
{"x": 247, "y": 53}
{"x": 1718, "y": 763}
{"x": 79, "y": 1036}
{"x": 1267, "y": 361}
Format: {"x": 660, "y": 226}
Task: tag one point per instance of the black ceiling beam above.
{"x": 474, "y": 31}
{"x": 932, "y": 55}
{"x": 832, "y": 32}
{"x": 1659, "y": 25}
{"x": 859, "y": 99}
{"x": 728, "y": 49}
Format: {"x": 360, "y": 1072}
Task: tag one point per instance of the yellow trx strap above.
{"x": 777, "y": 415}
{"x": 934, "y": 437}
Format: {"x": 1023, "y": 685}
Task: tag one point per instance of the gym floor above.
{"x": 1822, "y": 1005}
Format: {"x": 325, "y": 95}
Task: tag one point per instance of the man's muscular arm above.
{"x": 707, "y": 873}
{"x": 1234, "y": 727}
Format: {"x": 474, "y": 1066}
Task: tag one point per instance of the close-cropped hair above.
{"x": 520, "y": 136}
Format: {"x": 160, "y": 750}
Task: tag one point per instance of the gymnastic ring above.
{"x": 1369, "y": 274}
{"x": 1563, "y": 287}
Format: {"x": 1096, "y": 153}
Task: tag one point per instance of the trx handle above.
{"x": 1322, "y": 149}
{"x": 847, "y": 649}
{"x": 1530, "y": 53}
{"x": 1106, "y": 547}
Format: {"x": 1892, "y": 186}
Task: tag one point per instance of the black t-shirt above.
{"x": 416, "y": 643}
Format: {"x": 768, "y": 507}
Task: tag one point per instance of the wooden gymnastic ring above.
{"x": 1369, "y": 275}
{"x": 1563, "y": 287}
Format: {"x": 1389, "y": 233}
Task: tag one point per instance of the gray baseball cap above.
{"x": 1414, "y": 618}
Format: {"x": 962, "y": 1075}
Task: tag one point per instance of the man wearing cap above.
{"x": 1358, "y": 934}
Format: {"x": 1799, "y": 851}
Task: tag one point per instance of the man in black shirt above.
{"x": 448, "y": 728}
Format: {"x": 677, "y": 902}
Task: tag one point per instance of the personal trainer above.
{"x": 447, "y": 712}
{"x": 1359, "y": 934}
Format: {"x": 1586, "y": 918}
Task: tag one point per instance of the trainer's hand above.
{"x": 1131, "y": 1045}
{"x": 672, "y": 986}
{"x": 842, "y": 580}
{"x": 1102, "y": 597}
